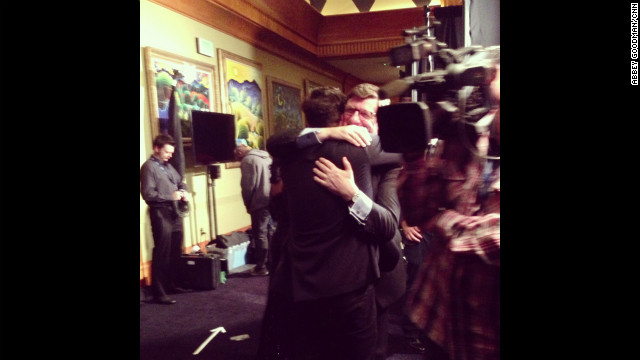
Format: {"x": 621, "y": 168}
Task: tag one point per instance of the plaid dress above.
{"x": 455, "y": 297}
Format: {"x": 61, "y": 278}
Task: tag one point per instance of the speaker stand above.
{"x": 211, "y": 200}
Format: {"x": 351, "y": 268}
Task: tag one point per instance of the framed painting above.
{"x": 284, "y": 102}
{"x": 195, "y": 88}
{"x": 309, "y": 86}
{"x": 242, "y": 89}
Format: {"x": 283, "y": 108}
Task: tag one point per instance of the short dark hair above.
{"x": 162, "y": 140}
{"x": 324, "y": 106}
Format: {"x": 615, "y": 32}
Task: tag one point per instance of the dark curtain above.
{"x": 451, "y": 28}
{"x": 484, "y": 23}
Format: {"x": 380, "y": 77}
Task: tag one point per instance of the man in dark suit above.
{"x": 391, "y": 284}
{"x": 334, "y": 259}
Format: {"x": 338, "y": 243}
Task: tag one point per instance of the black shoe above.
{"x": 165, "y": 301}
{"x": 259, "y": 272}
{"x": 416, "y": 344}
{"x": 177, "y": 290}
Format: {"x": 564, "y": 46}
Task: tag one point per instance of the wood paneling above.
{"x": 237, "y": 18}
{"x": 365, "y": 34}
{"x": 295, "y": 31}
{"x": 246, "y": 22}
{"x": 293, "y": 20}
{"x": 298, "y": 17}
{"x": 372, "y": 26}
{"x": 355, "y": 49}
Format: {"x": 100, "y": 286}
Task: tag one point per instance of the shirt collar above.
{"x": 156, "y": 160}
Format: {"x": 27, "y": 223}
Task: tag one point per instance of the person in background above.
{"x": 416, "y": 244}
{"x": 255, "y": 188}
{"x": 161, "y": 187}
{"x": 275, "y": 334}
{"x": 454, "y": 193}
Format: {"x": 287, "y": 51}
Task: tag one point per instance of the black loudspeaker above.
{"x": 214, "y": 171}
{"x": 214, "y": 137}
{"x": 200, "y": 271}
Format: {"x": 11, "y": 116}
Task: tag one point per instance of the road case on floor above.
{"x": 200, "y": 271}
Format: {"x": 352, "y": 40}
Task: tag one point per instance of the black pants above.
{"x": 383, "y": 333}
{"x": 341, "y": 327}
{"x": 276, "y": 335}
{"x": 167, "y": 230}
{"x": 414, "y": 253}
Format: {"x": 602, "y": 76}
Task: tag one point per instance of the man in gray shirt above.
{"x": 162, "y": 187}
{"x": 255, "y": 185}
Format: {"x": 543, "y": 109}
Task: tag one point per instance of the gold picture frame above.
{"x": 309, "y": 86}
{"x": 284, "y": 99}
{"x": 197, "y": 88}
{"x": 242, "y": 90}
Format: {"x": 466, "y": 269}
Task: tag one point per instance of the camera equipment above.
{"x": 181, "y": 208}
{"x": 441, "y": 111}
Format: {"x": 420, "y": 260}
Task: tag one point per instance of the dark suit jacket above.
{"x": 330, "y": 253}
{"x": 391, "y": 285}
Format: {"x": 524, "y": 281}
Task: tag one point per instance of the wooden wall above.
{"x": 295, "y": 31}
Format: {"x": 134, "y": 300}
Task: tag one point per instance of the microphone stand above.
{"x": 425, "y": 64}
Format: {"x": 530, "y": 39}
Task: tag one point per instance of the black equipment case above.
{"x": 200, "y": 271}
